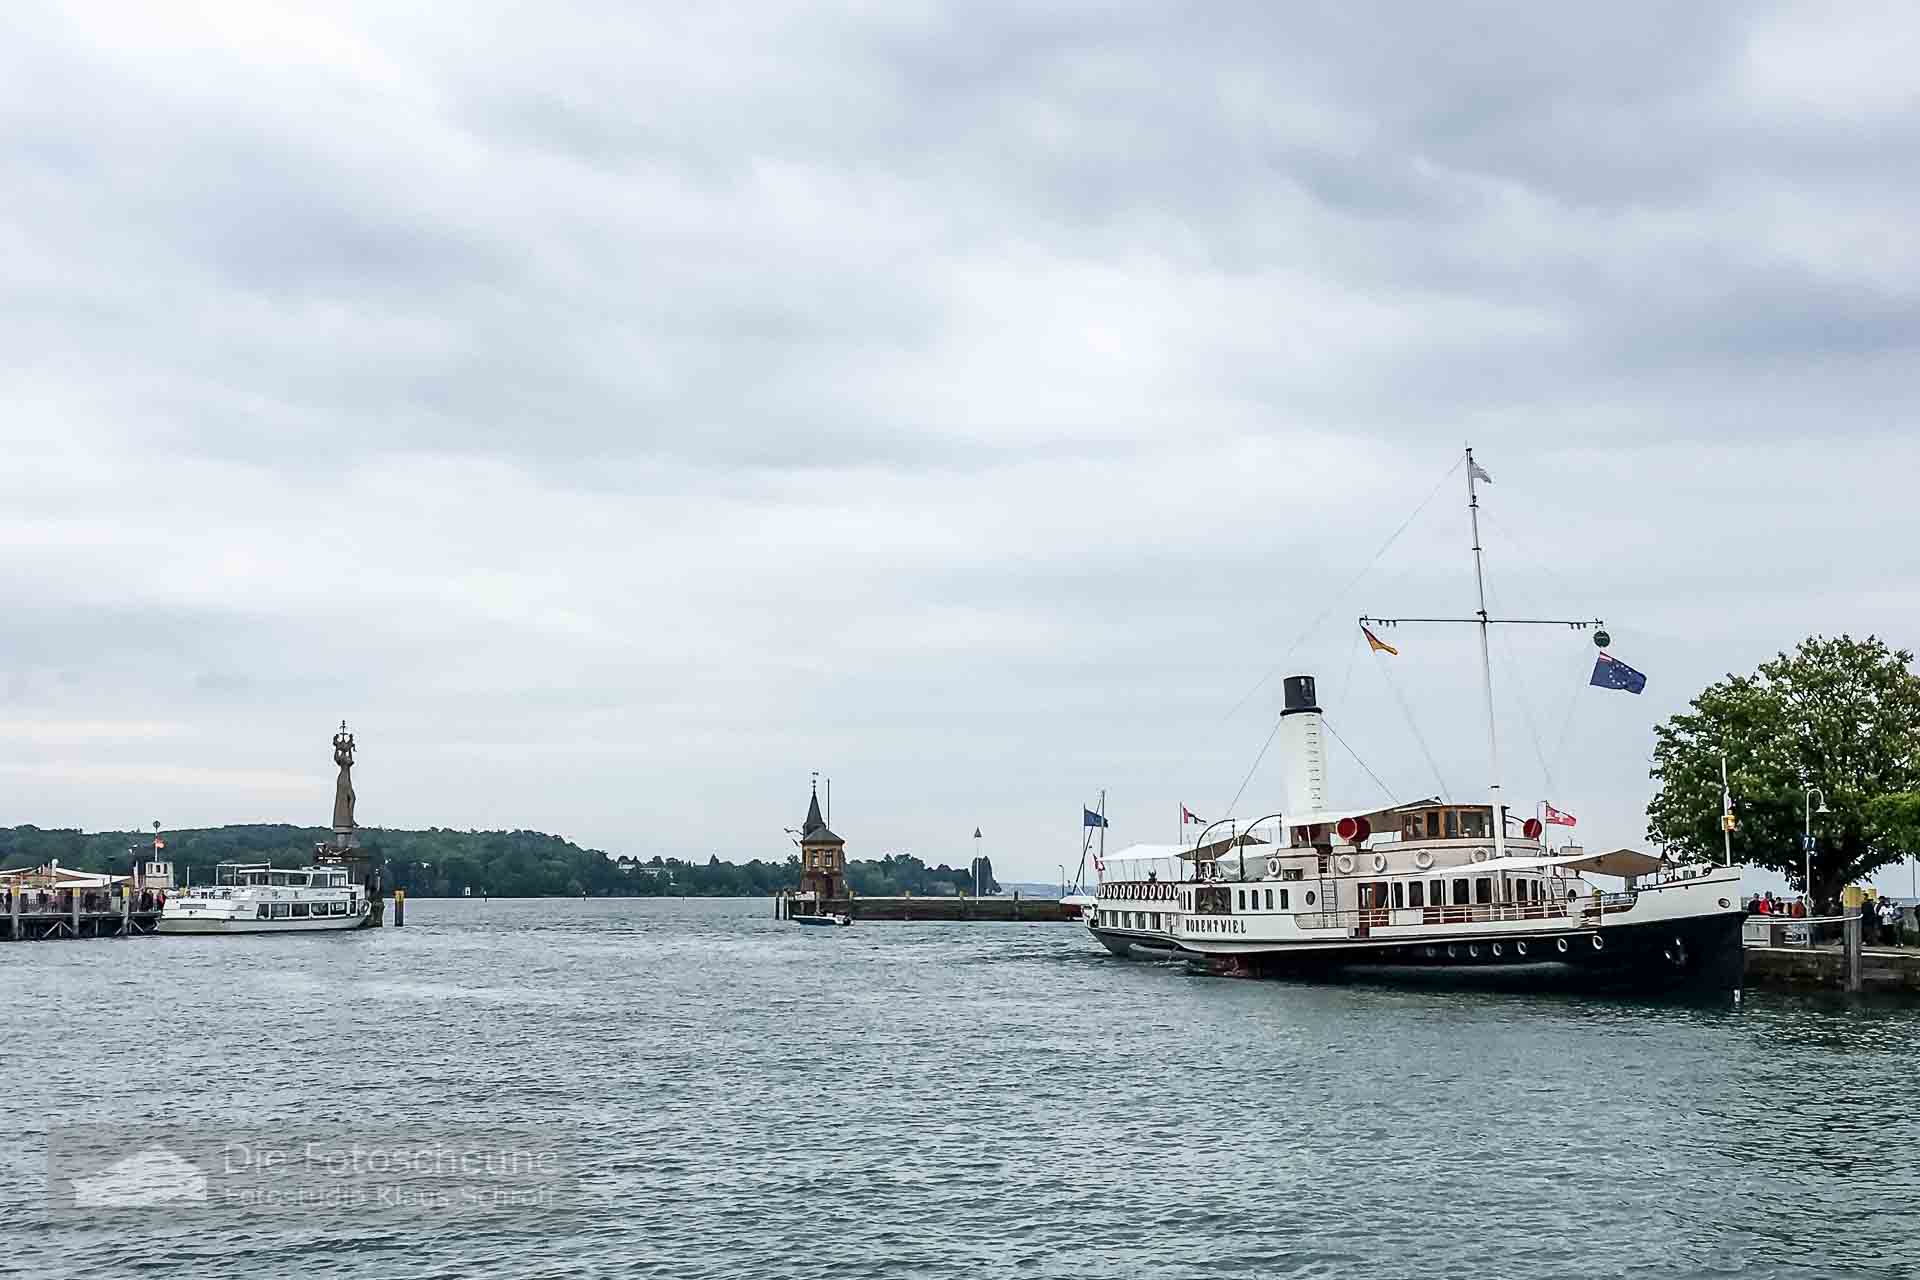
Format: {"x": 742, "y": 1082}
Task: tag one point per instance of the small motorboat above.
{"x": 833, "y": 919}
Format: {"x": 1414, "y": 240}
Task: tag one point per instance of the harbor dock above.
{"x": 788, "y": 905}
{"x": 36, "y": 916}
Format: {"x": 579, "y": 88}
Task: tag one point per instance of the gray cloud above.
{"x": 618, "y": 414}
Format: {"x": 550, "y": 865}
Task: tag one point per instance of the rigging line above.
{"x": 1346, "y": 678}
{"x": 1384, "y": 789}
{"x": 1573, "y": 705}
{"x": 1257, "y": 759}
{"x": 1333, "y": 601}
{"x": 1413, "y": 728}
{"x": 1526, "y": 703}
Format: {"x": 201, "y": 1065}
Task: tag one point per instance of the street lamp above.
{"x": 1806, "y": 838}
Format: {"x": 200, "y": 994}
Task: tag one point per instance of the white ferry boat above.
{"x": 1428, "y": 885}
{"x": 258, "y": 898}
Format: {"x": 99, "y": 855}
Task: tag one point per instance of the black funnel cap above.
{"x": 1300, "y": 694}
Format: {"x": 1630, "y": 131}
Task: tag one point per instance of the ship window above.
{"x": 338, "y": 909}
{"x": 1453, "y": 824}
{"x": 1240, "y": 900}
{"x": 1482, "y": 889}
{"x": 1269, "y": 899}
{"x": 1309, "y": 897}
{"x": 1437, "y": 892}
{"x": 263, "y": 912}
{"x": 279, "y": 911}
{"x": 1460, "y": 895}
{"x": 1283, "y": 899}
{"x": 299, "y": 911}
{"x": 1417, "y": 894}
{"x": 1399, "y": 895}
{"x": 1473, "y": 825}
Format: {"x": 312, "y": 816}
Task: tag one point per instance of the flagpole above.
{"x": 1486, "y": 667}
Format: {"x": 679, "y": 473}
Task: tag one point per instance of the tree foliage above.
{"x": 1840, "y": 714}
{"x": 508, "y": 864}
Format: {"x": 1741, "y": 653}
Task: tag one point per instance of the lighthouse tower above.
{"x": 823, "y": 856}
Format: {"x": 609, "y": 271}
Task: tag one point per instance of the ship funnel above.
{"x": 1303, "y": 750}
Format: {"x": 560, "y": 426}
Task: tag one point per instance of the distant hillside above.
{"x": 442, "y": 863}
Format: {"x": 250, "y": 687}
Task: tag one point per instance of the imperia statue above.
{"x": 343, "y": 790}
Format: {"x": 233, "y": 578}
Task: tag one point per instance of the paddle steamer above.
{"x": 1426, "y": 886}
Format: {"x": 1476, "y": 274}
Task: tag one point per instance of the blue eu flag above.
{"x": 1091, "y": 819}
{"x": 1611, "y": 673}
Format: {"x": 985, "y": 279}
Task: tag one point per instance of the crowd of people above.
{"x": 1765, "y": 904}
{"x": 60, "y": 901}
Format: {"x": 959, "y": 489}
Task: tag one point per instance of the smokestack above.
{"x": 1303, "y": 750}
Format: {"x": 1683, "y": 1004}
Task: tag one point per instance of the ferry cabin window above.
{"x": 1460, "y": 898}
{"x": 299, "y": 911}
{"x": 280, "y": 910}
{"x": 1417, "y": 894}
{"x": 1482, "y": 889}
{"x": 1283, "y": 899}
{"x": 1437, "y": 892}
{"x": 1399, "y": 895}
{"x": 1473, "y": 825}
{"x": 1453, "y": 824}
{"x": 1269, "y": 899}
{"x": 1241, "y": 896}
{"x": 263, "y": 911}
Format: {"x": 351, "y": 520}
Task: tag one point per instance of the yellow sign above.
{"x": 1728, "y": 823}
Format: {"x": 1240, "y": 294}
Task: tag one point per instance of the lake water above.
{"x": 703, "y": 1092}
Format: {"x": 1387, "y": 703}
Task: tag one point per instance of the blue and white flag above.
{"x": 1091, "y": 819}
{"x": 1611, "y": 673}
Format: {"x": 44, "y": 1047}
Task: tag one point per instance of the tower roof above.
{"x": 814, "y": 829}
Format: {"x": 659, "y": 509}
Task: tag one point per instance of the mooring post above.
{"x": 1852, "y": 934}
{"x": 399, "y": 907}
{"x": 13, "y": 909}
{"x": 73, "y": 899}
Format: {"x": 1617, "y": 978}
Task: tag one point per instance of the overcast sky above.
{"x": 617, "y": 412}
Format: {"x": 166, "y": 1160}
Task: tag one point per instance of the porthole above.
{"x": 1309, "y": 897}
{"x": 1452, "y": 950}
{"x": 1724, "y": 904}
{"x": 1474, "y": 950}
{"x": 1520, "y": 947}
{"x": 1496, "y": 948}
{"x": 1599, "y": 944}
{"x": 1562, "y": 944}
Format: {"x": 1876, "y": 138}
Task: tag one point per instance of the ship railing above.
{"x": 1795, "y": 931}
{"x": 1475, "y": 913}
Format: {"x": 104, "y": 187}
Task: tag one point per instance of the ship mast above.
{"x": 1486, "y": 665}
{"x": 1484, "y": 623}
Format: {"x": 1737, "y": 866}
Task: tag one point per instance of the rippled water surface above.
{"x": 733, "y": 1097}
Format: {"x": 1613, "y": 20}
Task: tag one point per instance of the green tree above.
{"x": 1839, "y": 714}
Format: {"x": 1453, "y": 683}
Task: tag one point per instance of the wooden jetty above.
{"x": 960, "y": 908}
{"x": 39, "y": 915}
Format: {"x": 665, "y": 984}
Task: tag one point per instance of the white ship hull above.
{"x": 213, "y": 922}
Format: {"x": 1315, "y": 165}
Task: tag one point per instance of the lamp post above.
{"x": 1806, "y": 837}
{"x": 1063, "y": 878}
{"x": 976, "y": 862}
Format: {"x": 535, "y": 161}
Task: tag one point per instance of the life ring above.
{"x": 1273, "y": 867}
{"x": 1562, "y": 944}
{"x": 1379, "y": 862}
{"x": 1481, "y": 855}
{"x": 1345, "y": 863}
{"x": 1598, "y": 945}
{"x": 1423, "y": 860}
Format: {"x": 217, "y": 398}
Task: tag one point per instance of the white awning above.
{"x": 1621, "y": 862}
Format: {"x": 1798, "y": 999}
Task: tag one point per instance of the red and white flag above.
{"x": 1187, "y": 815}
{"x": 1559, "y": 818}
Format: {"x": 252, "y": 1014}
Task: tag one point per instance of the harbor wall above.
{"x": 1825, "y": 969}
{"x": 959, "y": 909}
